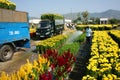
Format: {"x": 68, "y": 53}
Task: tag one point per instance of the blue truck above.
{"x": 14, "y": 32}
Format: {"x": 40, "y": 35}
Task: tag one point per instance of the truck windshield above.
{"x": 44, "y": 24}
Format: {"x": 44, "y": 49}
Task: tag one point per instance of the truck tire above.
{"x": 6, "y": 52}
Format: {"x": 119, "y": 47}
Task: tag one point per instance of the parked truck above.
{"x": 14, "y": 32}
{"x": 50, "y": 24}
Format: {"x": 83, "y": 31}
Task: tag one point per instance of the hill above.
{"x": 106, "y": 14}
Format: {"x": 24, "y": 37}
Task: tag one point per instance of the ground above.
{"x": 19, "y": 58}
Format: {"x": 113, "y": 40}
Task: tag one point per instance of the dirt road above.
{"x": 19, "y": 58}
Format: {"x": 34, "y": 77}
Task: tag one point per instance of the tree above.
{"x": 85, "y": 17}
{"x": 78, "y": 16}
{"x": 93, "y": 20}
{"x": 78, "y": 19}
{"x": 97, "y": 20}
{"x": 113, "y": 21}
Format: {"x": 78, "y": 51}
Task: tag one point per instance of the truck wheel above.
{"x": 6, "y": 52}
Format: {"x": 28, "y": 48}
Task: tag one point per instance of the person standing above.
{"x": 88, "y": 34}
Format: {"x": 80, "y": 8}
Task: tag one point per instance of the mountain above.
{"x": 106, "y": 14}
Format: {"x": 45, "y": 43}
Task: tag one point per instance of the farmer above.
{"x": 88, "y": 34}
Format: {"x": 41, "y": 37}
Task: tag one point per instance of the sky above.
{"x": 37, "y": 7}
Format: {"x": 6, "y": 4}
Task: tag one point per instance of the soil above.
{"x": 82, "y": 58}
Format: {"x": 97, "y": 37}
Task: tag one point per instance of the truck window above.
{"x": 44, "y": 24}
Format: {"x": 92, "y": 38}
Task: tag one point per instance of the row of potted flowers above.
{"x": 104, "y": 63}
{"x": 48, "y": 66}
{"x": 97, "y": 26}
{"x": 7, "y": 4}
{"x": 51, "y": 43}
{"x": 115, "y": 34}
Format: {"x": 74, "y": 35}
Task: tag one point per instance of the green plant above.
{"x": 73, "y": 47}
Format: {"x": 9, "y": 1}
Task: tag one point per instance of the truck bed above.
{"x": 14, "y": 26}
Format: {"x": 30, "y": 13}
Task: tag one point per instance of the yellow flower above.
{"x": 4, "y": 76}
{"x": 35, "y": 64}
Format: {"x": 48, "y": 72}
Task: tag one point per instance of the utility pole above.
{"x": 72, "y": 14}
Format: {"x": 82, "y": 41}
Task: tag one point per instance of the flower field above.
{"x": 104, "y": 63}
{"x": 57, "y": 56}
{"x": 56, "y": 59}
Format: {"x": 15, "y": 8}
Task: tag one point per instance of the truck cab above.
{"x": 44, "y": 29}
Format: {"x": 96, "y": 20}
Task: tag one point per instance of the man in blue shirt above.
{"x": 88, "y": 34}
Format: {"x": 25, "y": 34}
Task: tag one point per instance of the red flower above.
{"x": 60, "y": 64}
{"x": 60, "y": 73}
{"x": 46, "y": 76}
{"x": 49, "y": 76}
{"x": 61, "y": 61}
{"x": 52, "y": 66}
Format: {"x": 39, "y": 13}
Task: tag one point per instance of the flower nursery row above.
{"x": 115, "y": 34}
{"x": 104, "y": 63}
{"x": 51, "y": 43}
{"x": 7, "y": 4}
{"x": 59, "y": 43}
{"x": 97, "y": 26}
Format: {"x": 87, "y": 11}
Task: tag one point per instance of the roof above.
{"x": 34, "y": 21}
{"x": 101, "y": 19}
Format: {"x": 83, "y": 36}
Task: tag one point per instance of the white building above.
{"x": 103, "y": 20}
{"x": 34, "y": 21}
{"x": 68, "y": 21}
